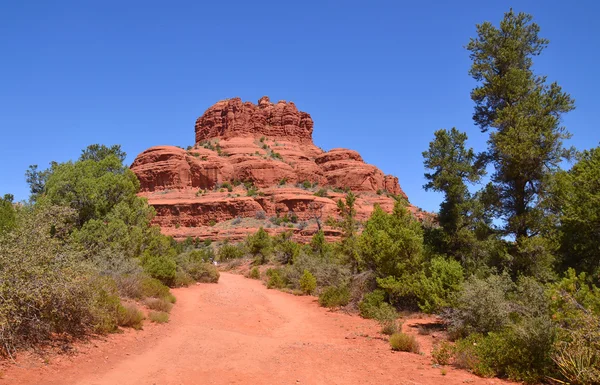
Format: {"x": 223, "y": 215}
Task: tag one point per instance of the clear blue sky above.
{"x": 377, "y": 76}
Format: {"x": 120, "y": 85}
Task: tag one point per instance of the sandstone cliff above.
{"x": 256, "y": 165}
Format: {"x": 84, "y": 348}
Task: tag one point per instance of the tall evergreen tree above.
{"x": 453, "y": 166}
{"x": 523, "y": 114}
{"x": 465, "y": 231}
{"x": 576, "y": 198}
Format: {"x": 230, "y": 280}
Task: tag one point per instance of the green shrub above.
{"x": 369, "y": 306}
{"x": 228, "y": 252}
{"x": 254, "y": 273}
{"x": 578, "y": 359}
{"x": 182, "y": 279}
{"x": 334, "y": 296}
{"x": 158, "y": 317}
{"x": 260, "y": 245}
{"x": 321, "y": 193}
{"x": 439, "y": 284}
{"x": 130, "y": 316}
{"x": 308, "y": 282}
{"x": 158, "y": 304}
{"x": 306, "y": 185}
{"x": 227, "y": 185}
{"x": 252, "y": 191}
{"x": 467, "y": 356}
{"x": 328, "y": 272}
{"x": 443, "y": 353}
{"x": 193, "y": 264}
{"x": 386, "y": 315}
{"x": 160, "y": 266}
{"x": 152, "y": 287}
{"x": 45, "y": 288}
{"x": 373, "y": 306}
{"x": 520, "y": 352}
{"x": 575, "y": 306}
{"x": 275, "y": 279}
{"x": 286, "y": 249}
{"x": 294, "y": 218}
{"x": 482, "y": 306}
{"x": 404, "y": 343}
{"x": 7, "y": 213}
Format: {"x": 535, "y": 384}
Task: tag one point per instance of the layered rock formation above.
{"x": 252, "y": 164}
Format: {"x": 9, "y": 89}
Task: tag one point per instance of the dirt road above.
{"x": 238, "y": 332}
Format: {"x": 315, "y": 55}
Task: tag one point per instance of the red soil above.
{"x": 238, "y": 332}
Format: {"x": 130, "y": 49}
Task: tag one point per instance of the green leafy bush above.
{"x": 575, "y": 306}
{"x": 287, "y": 250}
{"x": 520, "y": 352}
{"x": 443, "y": 353}
{"x": 158, "y": 304}
{"x": 229, "y": 251}
{"x": 158, "y": 317}
{"x": 46, "y": 288}
{"x": 482, "y": 306}
{"x": 308, "y": 282}
{"x": 439, "y": 284}
{"x": 327, "y": 272}
{"x": 254, "y": 273}
{"x": 260, "y": 245}
{"x": 194, "y": 265}
{"x": 404, "y": 343}
{"x": 152, "y": 287}
{"x": 130, "y": 316}
{"x": 275, "y": 279}
{"x": 7, "y": 213}
{"x": 321, "y": 193}
{"x": 162, "y": 267}
{"x": 369, "y": 306}
{"x": 334, "y": 296}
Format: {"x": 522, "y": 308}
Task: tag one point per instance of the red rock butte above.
{"x": 256, "y": 165}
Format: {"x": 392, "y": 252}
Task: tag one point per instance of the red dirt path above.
{"x": 238, "y": 332}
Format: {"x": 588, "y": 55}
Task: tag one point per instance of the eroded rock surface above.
{"x": 254, "y": 163}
